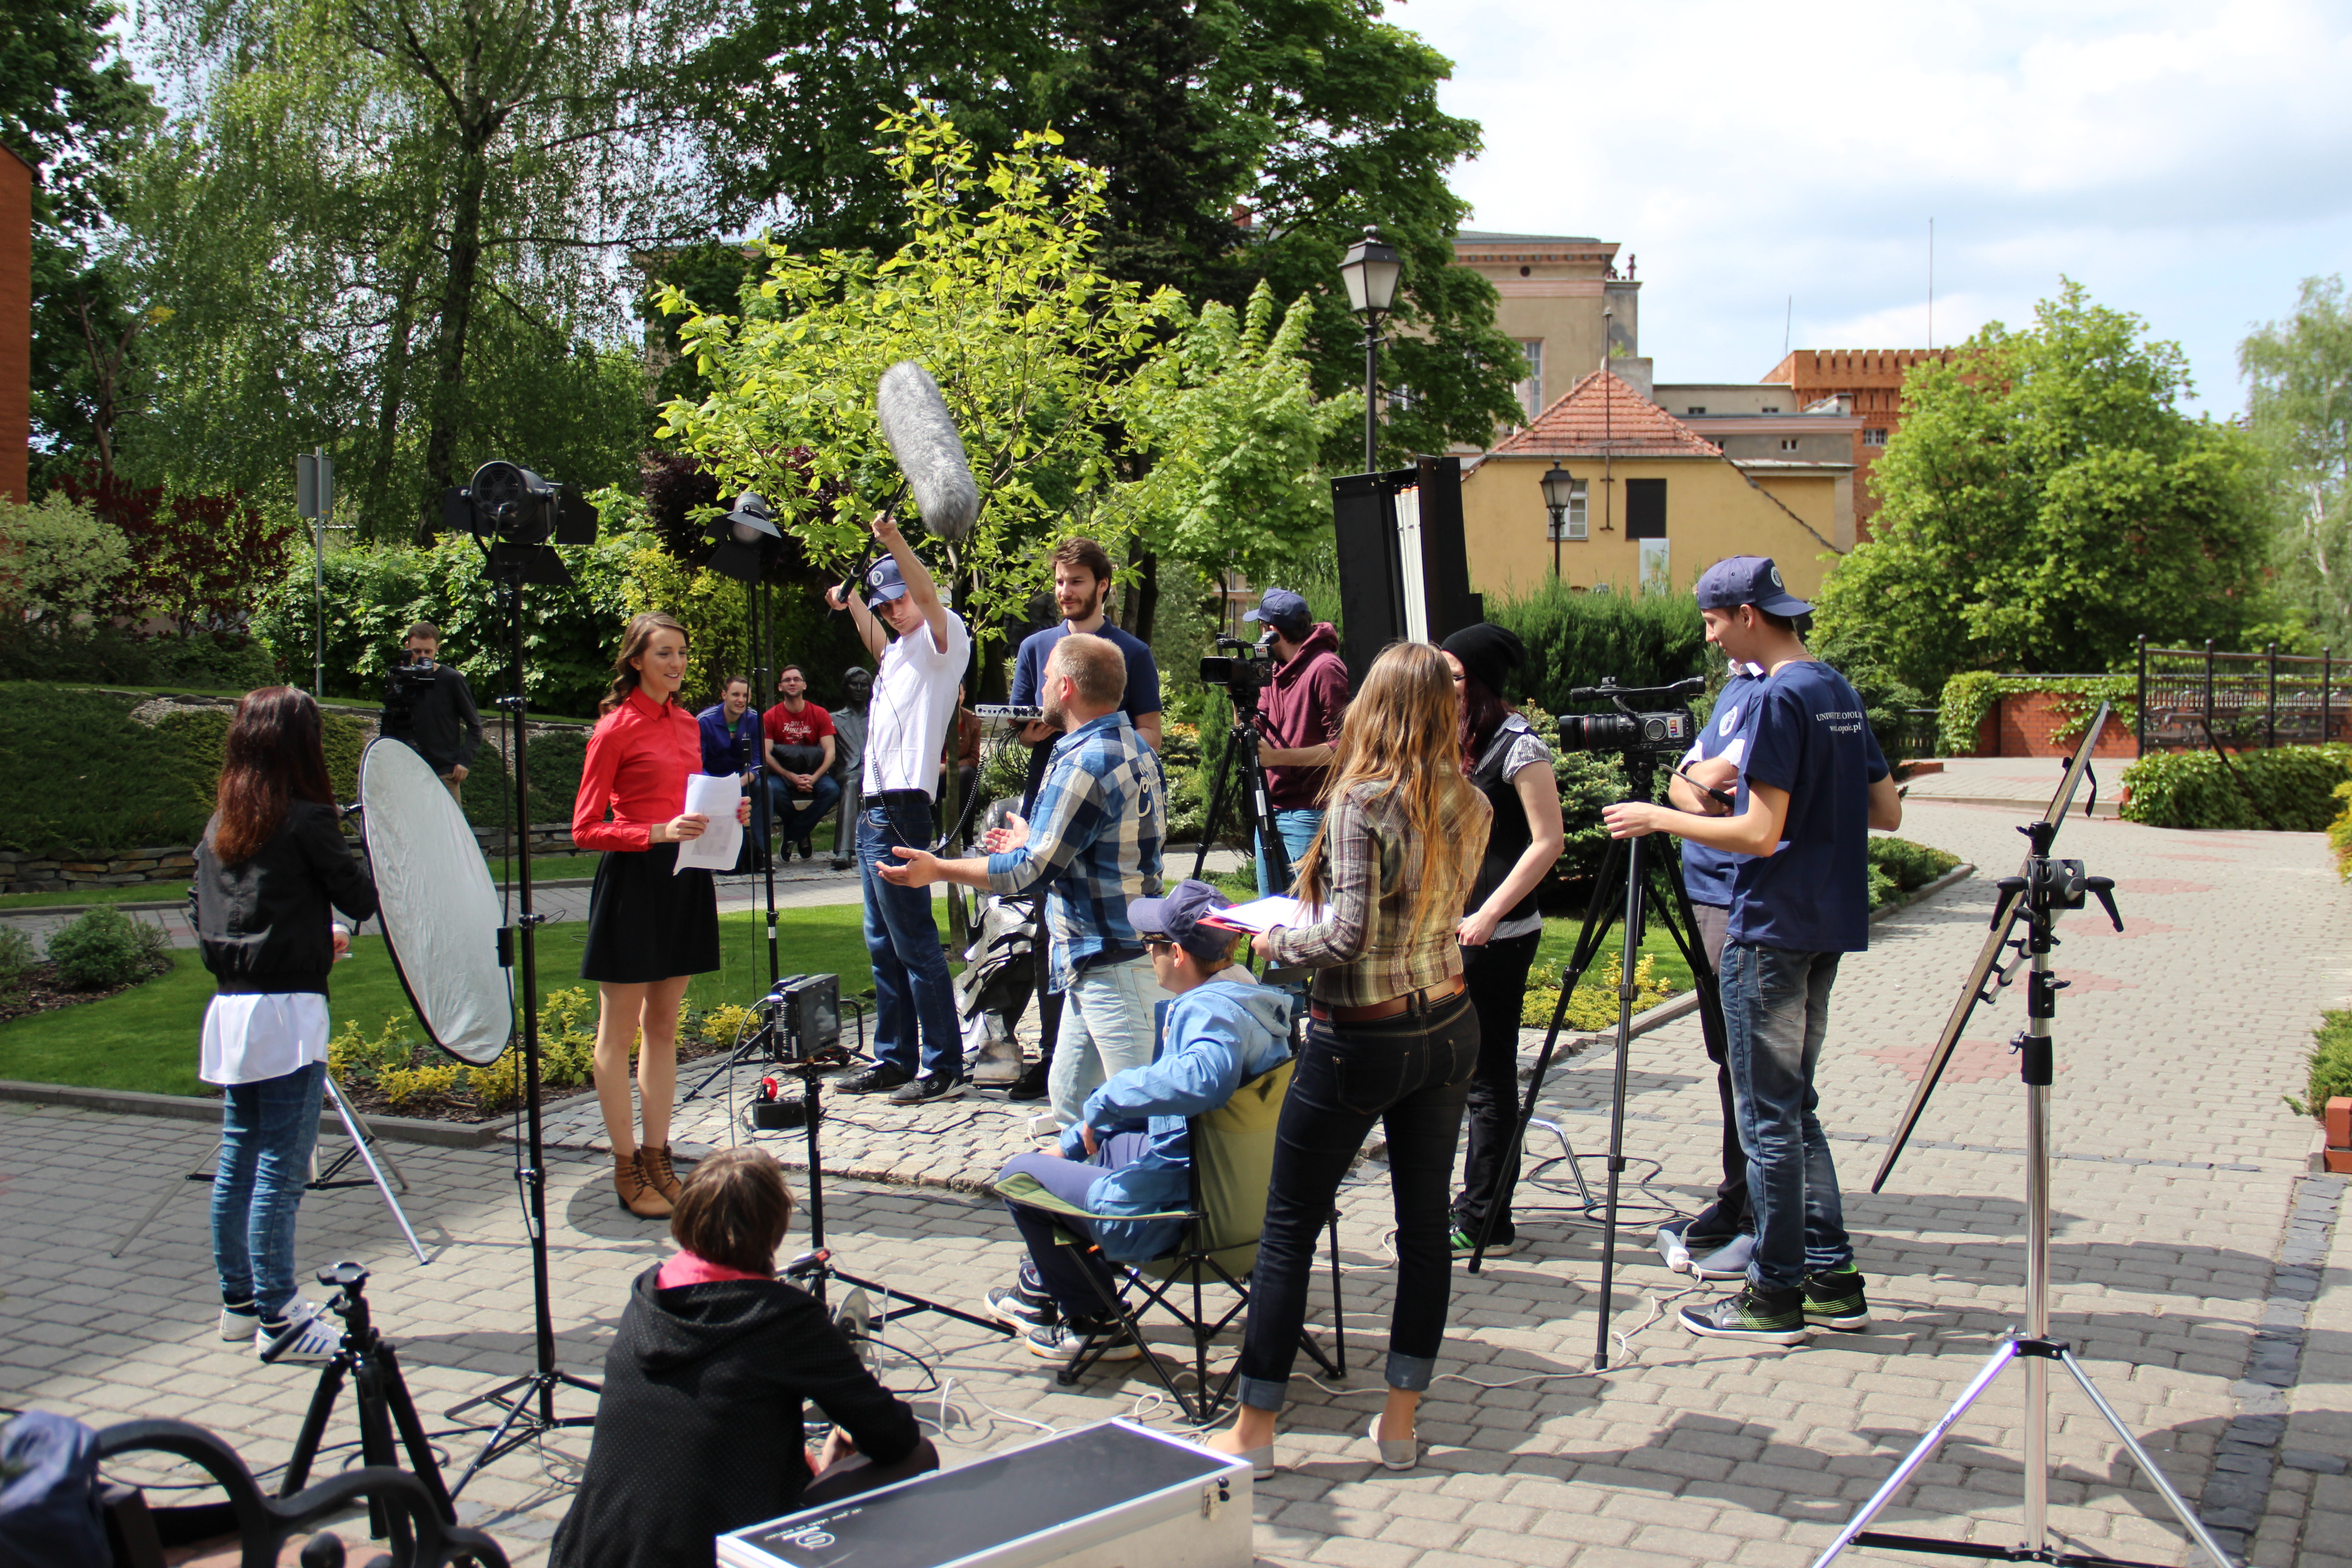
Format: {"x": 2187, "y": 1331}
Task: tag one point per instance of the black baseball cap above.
{"x": 1178, "y": 916}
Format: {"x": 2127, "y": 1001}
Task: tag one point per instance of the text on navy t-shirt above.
{"x": 1808, "y": 735}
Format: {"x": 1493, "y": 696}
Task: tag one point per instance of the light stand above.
{"x": 1671, "y": 910}
{"x": 529, "y": 1401}
{"x": 2046, "y": 888}
{"x": 1244, "y": 789}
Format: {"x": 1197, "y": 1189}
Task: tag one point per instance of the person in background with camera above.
{"x": 1299, "y": 720}
{"x": 1392, "y": 1040}
{"x": 651, "y": 926}
{"x": 429, "y": 708}
{"x": 1095, "y": 845}
{"x": 922, "y": 649}
{"x": 1501, "y": 926}
{"x": 1082, "y": 582}
{"x": 1811, "y": 787}
{"x": 798, "y": 737}
{"x": 699, "y": 1429}
{"x": 731, "y": 744}
{"x": 1718, "y": 1242}
{"x": 849, "y": 757}
{"x": 272, "y": 859}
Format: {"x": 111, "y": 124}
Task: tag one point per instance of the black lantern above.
{"x": 1371, "y": 270}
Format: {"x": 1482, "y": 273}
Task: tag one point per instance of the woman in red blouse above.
{"x": 650, "y": 926}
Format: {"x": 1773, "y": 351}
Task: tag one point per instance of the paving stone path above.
{"x": 2203, "y": 1273}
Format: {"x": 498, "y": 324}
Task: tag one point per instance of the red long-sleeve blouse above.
{"x": 639, "y": 759}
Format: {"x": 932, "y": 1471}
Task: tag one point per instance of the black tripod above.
{"x": 2046, "y": 887}
{"x": 364, "y": 1358}
{"x": 1651, "y": 887}
{"x": 1243, "y": 787}
{"x": 529, "y": 1401}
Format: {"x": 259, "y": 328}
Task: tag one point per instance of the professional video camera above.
{"x": 1629, "y": 728}
{"x": 1243, "y": 670}
{"x": 405, "y": 686}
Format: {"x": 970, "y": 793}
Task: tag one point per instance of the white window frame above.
{"x": 1531, "y": 390}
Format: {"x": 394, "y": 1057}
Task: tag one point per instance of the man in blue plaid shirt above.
{"x": 1094, "y": 842}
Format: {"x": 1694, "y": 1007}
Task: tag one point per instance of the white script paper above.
{"x": 714, "y": 796}
{"x": 1265, "y": 914}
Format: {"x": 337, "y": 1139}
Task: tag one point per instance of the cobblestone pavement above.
{"x": 2203, "y": 1274}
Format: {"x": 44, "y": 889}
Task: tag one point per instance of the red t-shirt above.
{"x": 786, "y": 728}
{"x": 639, "y": 759}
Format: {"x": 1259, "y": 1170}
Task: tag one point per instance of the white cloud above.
{"x": 2182, "y": 161}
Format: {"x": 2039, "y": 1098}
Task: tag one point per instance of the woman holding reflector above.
{"x": 651, "y": 926}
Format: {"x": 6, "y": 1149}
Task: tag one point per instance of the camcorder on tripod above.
{"x": 1242, "y": 671}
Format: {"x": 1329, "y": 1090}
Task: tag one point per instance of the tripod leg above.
{"x": 1921, "y": 1452}
{"x": 1631, "y": 952}
{"x": 2140, "y": 1456}
{"x": 360, "y": 1139}
{"x": 152, "y": 1210}
{"x": 352, "y": 1118}
{"x": 376, "y": 1449}
{"x": 411, "y": 1427}
{"x": 1219, "y": 798}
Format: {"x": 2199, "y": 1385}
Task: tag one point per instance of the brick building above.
{"x": 1869, "y": 385}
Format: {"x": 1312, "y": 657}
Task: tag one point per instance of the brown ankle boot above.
{"x": 659, "y": 1171}
{"x": 638, "y": 1195}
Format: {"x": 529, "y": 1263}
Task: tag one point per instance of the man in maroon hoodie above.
{"x": 1298, "y": 719}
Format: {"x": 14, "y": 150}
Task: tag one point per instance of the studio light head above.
{"x": 517, "y": 515}
{"x": 745, "y": 544}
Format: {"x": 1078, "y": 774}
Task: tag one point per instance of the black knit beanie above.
{"x": 1490, "y": 653}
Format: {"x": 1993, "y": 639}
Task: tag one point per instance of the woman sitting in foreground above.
{"x": 698, "y": 1431}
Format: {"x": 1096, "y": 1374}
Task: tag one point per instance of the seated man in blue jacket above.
{"x": 1131, "y": 1150}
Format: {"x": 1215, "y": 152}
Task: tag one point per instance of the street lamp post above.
{"x": 1371, "y": 269}
{"x": 1559, "y": 491}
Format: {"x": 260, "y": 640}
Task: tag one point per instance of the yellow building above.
{"x": 1655, "y": 504}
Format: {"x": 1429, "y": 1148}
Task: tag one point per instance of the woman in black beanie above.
{"x": 1500, "y": 926}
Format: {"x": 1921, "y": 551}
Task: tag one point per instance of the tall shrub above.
{"x": 1575, "y": 639}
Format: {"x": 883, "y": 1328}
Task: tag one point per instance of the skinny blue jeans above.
{"x": 1296, "y": 824}
{"x": 912, "y": 992}
{"x": 267, "y": 1129}
{"x": 1776, "y": 1013}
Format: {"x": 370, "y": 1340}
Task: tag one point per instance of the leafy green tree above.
{"x": 1035, "y": 351}
{"x": 2299, "y": 410}
{"x": 2046, "y": 501}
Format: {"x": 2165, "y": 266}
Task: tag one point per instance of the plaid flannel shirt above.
{"x": 1364, "y": 949}
{"x": 1094, "y": 842}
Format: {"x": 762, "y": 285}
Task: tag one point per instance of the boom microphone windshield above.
{"x": 923, "y": 437}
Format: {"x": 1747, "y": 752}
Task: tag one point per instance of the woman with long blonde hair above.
{"x": 1391, "y": 1040}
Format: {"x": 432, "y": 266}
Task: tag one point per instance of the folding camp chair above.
{"x": 1232, "y": 1168}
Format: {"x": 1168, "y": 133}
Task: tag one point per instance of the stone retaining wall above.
{"x": 171, "y": 866}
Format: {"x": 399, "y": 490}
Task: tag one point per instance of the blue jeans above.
{"x": 911, "y": 987}
{"x": 1776, "y": 1013}
{"x": 267, "y": 1129}
{"x": 801, "y": 812}
{"x": 1409, "y": 1075}
{"x": 1296, "y": 826}
{"x": 1108, "y": 1024}
{"x": 1062, "y": 1269}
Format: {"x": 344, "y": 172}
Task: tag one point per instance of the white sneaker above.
{"x": 238, "y": 1327}
{"x": 1729, "y": 1261}
{"x": 318, "y": 1342}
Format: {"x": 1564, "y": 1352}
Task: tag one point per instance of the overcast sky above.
{"x": 2192, "y": 163}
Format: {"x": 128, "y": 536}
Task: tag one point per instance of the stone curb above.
{"x": 2103, "y": 808}
{"x": 189, "y": 1108}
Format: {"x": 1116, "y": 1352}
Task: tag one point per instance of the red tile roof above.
{"x": 1604, "y": 413}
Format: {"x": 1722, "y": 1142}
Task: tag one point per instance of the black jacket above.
{"x": 698, "y": 1431}
{"x": 263, "y": 924}
{"x": 441, "y": 726}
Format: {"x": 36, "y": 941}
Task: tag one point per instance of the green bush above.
{"x": 1970, "y": 695}
{"x": 17, "y": 956}
{"x": 1908, "y": 865}
{"x": 79, "y": 772}
{"x": 2331, "y": 1065}
{"x": 1575, "y": 639}
{"x": 106, "y": 947}
{"x": 2292, "y": 788}
{"x": 2339, "y": 831}
{"x": 110, "y": 655}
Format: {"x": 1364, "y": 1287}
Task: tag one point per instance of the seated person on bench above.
{"x": 699, "y": 1429}
{"x": 1132, "y": 1149}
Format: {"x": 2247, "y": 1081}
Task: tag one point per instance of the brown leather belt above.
{"x": 1392, "y": 1008}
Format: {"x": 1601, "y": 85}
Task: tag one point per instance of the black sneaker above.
{"x": 925, "y": 1090}
{"x": 1465, "y": 1243}
{"x": 876, "y": 1079}
{"x": 840, "y": 862}
{"x": 1031, "y": 1084}
{"x": 1835, "y": 1301}
{"x": 1773, "y": 1317}
{"x": 1059, "y": 1342}
{"x": 807, "y": 852}
{"x": 1023, "y": 1309}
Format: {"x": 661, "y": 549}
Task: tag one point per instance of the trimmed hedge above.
{"x": 2330, "y": 1064}
{"x": 2292, "y": 788}
{"x": 2339, "y": 831}
{"x": 1575, "y": 639}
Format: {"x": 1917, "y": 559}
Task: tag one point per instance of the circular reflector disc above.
{"x": 439, "y": 908}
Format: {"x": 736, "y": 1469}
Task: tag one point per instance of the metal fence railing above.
{"x": 2190, "y": 697}
{"x": 1912, "y": 736}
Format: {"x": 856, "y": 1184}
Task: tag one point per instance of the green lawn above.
{"x": 146, "y": 1038}
{"x": 1560, "y": 941}
{"x": 142, "y": 893}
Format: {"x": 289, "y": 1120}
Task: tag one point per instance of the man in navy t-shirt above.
{"x": 1812, "y": 786}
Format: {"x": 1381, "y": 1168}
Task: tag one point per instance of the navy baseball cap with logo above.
{"x": 1748, "y": 580}
{"x": 1283, "y": 609}
{"x": 1177, "y": 917}
{"x": 884, "y": 584}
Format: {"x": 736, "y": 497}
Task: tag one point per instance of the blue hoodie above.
{"x": 1211, "y": 1039}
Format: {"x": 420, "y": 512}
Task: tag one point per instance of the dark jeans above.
{"x": 1064, "y": 1270}
{"x": 1776, "y": 1012}
{"x": 912, "y": 993}
{"x": 1408, "y": 1075}
{"x": 800, "y": 811}
{"x": 267, "y": 1129}
{"x": 1730, "y": 1214}
{"x": 1496, "y": 974}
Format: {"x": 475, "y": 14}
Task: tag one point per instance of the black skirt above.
{"x": 648, "y": 922}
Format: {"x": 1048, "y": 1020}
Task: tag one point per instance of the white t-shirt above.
{"x": 914, "y": 702}
{"x": 250, "y": 1038}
